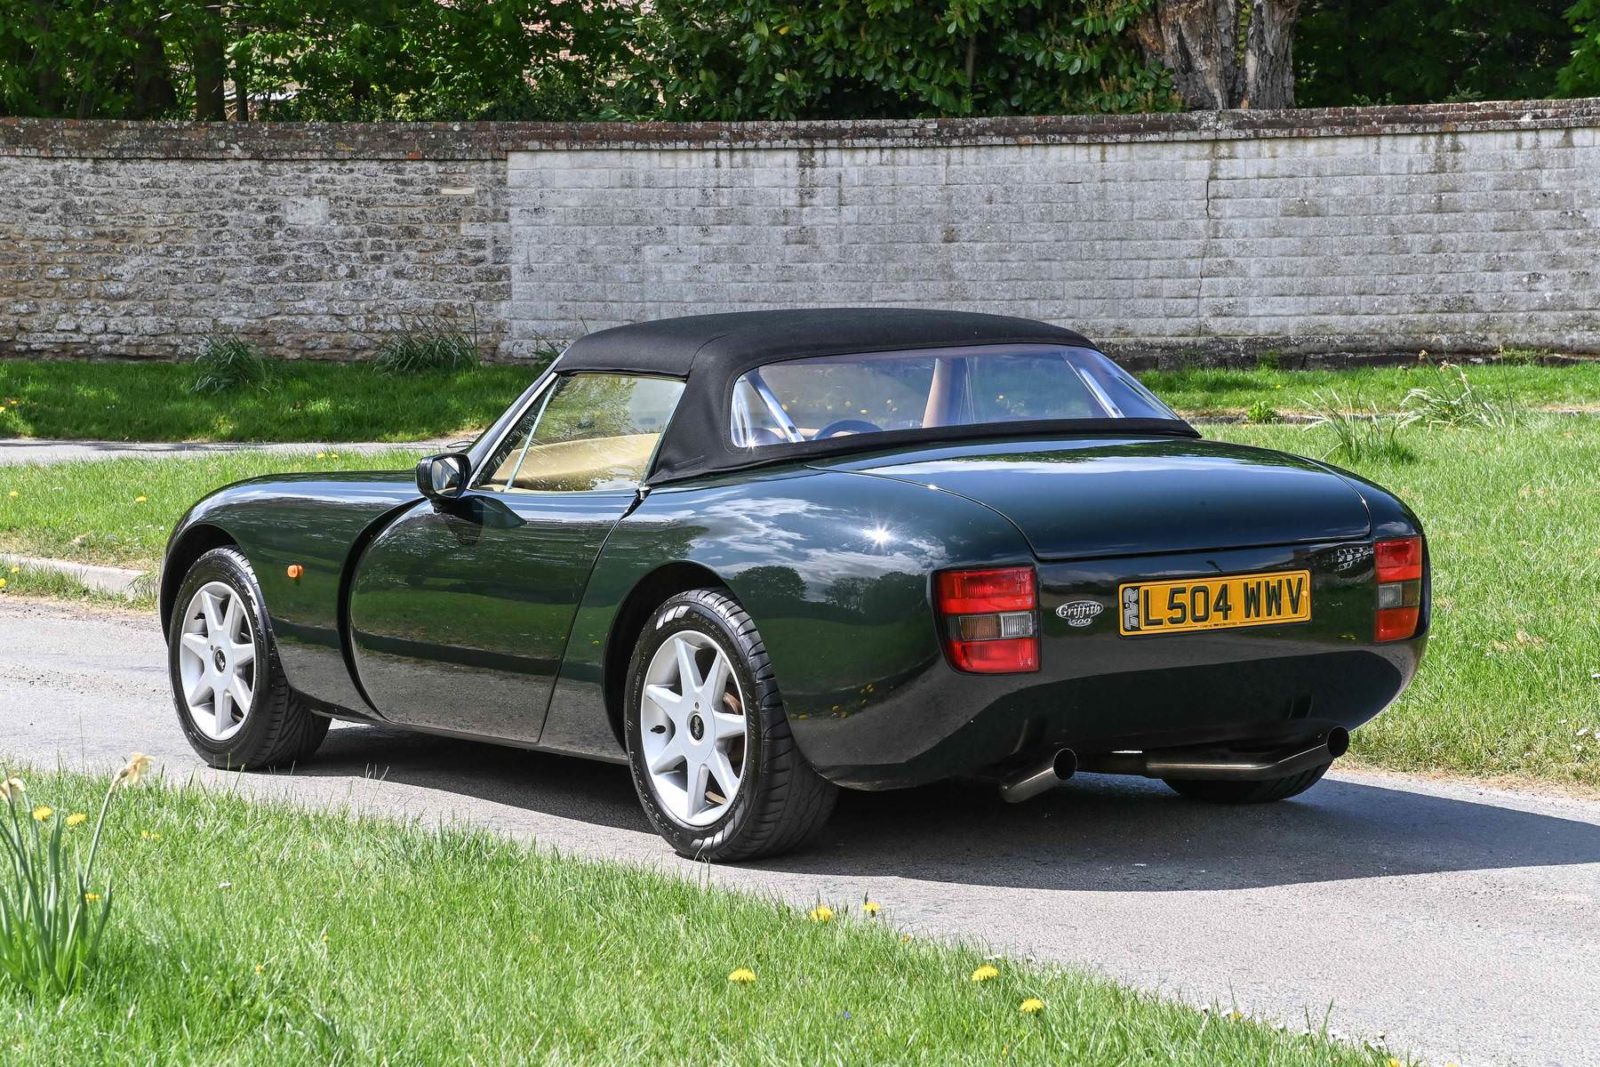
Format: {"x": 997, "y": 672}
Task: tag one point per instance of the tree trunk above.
{"x": 1269, "y": 54}
{"x": 210, "y": 68}
{"x": 1199, "y": 42}
{"x": 153, "y": 92}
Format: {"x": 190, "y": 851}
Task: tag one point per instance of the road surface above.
{"x": 1457, "y": 922}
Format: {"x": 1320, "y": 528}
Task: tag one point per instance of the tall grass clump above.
{"x": 1455, "y": 402}
{"x": 227, "y": 364}
{"x": 52, "y": 912}
{"x": 428, "y": 346}
{"x": 1360, "y": 434}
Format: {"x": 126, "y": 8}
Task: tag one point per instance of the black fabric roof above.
{"x": 712, "y": 351}
{"x": 736, "y": 341}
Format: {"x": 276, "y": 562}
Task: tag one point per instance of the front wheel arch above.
{"x": 182, "y": 554}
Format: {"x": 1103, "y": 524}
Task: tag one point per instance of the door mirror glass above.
{"x": 443, "y": 477}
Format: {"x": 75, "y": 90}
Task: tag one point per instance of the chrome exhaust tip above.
{"x": 1042, "y": 778}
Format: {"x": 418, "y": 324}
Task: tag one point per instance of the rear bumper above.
{"x": 1099, "y": 692}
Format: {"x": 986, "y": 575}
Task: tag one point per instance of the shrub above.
{"x": 1455, "y": 402}
{"x": 229, "y": 363}
{"x": 1361, "y": 434}
{"x": 428, "y": 346}
{"x": 52, "y": 912}
{"x": 1261, "y": 411}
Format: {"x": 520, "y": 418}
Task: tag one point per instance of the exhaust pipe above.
{"x": 1041, "y": 779}
{"x": 1222, "y": 764}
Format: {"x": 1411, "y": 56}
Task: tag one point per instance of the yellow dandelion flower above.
{"x": 13, "y": 494}
{"x": 322, "y": 455}
{"x": 986, "y": 972}
{"x": 140, "y": 499}
{"x": 149, "y": 835}
{"x": 871, "y": 907}
{"x": 822, "y": 914}
{"x": 905, "y": 938}
{"x": 742, "y": 975}
{"x": 138, "y": 764}
{"x": 2, "y": 583}
{"x": 16, "y": 569}
{"x": 77, "y": 818}
{"x": 260, "y": 968}
{"x": 1031, "y": 1006}
{"x": 43, "y": 812}
{"x": 90, "y": 898}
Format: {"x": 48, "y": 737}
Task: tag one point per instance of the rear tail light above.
{"x": 1399, "y": 566}
{"x": 989, "y": 620}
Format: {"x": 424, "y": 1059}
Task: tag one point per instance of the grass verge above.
{"x": 308, "y": 401}
{"x": 120, "y": 511}
{"x": 265, "y": 934}
{"x": 1200, "y": 392}
{"x": 304, "y": 401}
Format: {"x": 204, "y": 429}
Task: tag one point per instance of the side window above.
{"x": 587, "y": 431}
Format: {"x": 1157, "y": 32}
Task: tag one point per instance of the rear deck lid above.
{"x": 1091, "y": 497}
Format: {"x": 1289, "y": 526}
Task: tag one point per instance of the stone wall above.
{"x": 1450, "y": 227}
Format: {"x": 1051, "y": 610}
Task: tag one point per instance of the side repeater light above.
{"x": 1399, "y": 566}
{"x": 990, "y": 620}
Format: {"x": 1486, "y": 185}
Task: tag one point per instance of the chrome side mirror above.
{"x": 444, "y": 477}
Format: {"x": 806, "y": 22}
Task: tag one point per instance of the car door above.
{"x": 460, "y": 610}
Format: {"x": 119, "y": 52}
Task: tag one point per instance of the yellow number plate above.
{"x": 1215, "y": 603}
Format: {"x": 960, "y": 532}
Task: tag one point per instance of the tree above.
{"x": 1225, "y": 53}
{"x": 1353, "y": 52}
{"x": 792, "y": 59}
{"x": 1581, "y": 76}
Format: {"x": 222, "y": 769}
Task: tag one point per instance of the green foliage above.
{"x": 306, "y": 59}
{"x": 1455, "y": 402}
{"x": 228, "y": 364}
{"x": 1581, "y": 75}
{"x": 52, "y": 912}
{"x": 426, "y": 347}
{"x": 1262, "y": 411}
{"x": 1361, "y": 435}
{"x": 1352, "y": 52}
{"x": 784, "y": 59}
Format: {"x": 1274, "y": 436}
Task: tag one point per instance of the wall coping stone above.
{"x": 469, "y": 141}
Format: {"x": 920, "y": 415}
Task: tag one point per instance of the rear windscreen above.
{"x": 833, "y": 396}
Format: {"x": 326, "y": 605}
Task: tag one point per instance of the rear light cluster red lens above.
{"x": 989, "y": 620}
{"x": 1399, "y": 566}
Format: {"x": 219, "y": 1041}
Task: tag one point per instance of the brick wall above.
{"x": 1454, "y": 227}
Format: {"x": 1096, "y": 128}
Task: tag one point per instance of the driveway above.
{"x": 1459, "y": 922}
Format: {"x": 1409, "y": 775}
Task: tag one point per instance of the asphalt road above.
{"x": 1458, "y": 922}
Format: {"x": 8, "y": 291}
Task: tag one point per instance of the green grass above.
{"x": 303, "y": 401}
{"x": 1234, "y": 392}
{"x": 1513, "y": 522}
{"x": 92, "y": 511}
{"x": 247, "y": 934}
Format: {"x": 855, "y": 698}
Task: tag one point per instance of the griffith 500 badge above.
{"x": 1080, "y": 612}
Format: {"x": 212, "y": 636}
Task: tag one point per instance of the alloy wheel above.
{"x": 217, "y": 660}
{"x": 693, "y": 729}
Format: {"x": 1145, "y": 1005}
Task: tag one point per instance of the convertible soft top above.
{"x": 711, "y": 351}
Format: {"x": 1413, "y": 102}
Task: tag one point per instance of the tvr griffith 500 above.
{"x": 759, "y": 557}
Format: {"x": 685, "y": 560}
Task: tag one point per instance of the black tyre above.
{"x": 233, "y": 702}
{"x": 1258, "y": 792}
{"x": 714, "y": 763}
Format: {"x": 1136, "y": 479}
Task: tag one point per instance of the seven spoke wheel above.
{"x": 233, "y": 701}
{"x": 693, "y": 728}
{"x": 714, "y": 760}
{"x": 217, "y": 661}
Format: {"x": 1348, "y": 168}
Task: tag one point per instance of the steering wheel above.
{"x": 846, "y": 426}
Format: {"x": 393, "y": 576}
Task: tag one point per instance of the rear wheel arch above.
{"x": 195, "y": 542}
{"x": 648, "y": 594}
